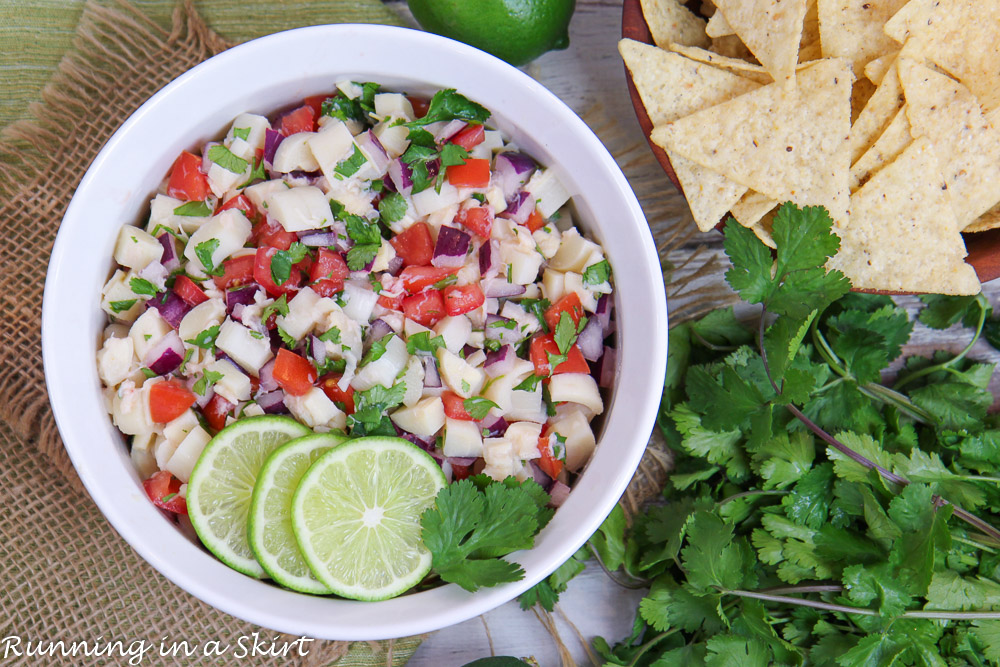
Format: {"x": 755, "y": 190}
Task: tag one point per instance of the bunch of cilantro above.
{"x": 823, "y": 510}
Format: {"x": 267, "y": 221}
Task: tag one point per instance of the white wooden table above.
{"x": 589, "y": 77}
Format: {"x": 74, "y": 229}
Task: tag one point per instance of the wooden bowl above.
{"x": 983, "y": 247}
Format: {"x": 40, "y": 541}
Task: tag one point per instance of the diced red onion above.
{"x": 166, "y": 356}
{"x": 449, "y": 130}
{"x": 172, "y": 308}
{"x": 539, "y": 476}
{"x": 432, "y": 379}
{"x": 266, "y": 377}
{"x": 401, "y": 177}
{"x": 169, "y": 258}
{"x": 428, "y": 444}
{"x": 495, "y": 426}
{"x": 591, "y": 340}
{"x": 519, "y": 207}
{"x": 206, "y": 164}
{"x": 272, "y": 139}
{"x": 395, "y": 266}
{"x": 506, "y": 334}
{"x": 558, "y": 493}
{"x": 372, "y": 148}
{"x": 461, "y": 460}
{"x": 242, "y": 296}
{"x": 273, "y": 402}
{"x": 603, "y": 313}
{"x": 451, "y": 248}
{"x": 319, "y": 240}
{"x": 468, "y": 350}
{"x": 433, "y": 167}
{"x": 498, "y": 288}
{"x": 500, "y": 362}
{"x": 485, "y": 257}
{"x": 378, "y": 330}
{"x": 606, "y": 369}
{"x": 511, "y": 171}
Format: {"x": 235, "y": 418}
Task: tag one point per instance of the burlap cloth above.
{"x": 64, "y": 573}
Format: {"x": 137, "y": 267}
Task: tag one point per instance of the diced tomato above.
{"x": 415, "y": 278}
{"x": 478, "y": 220}
{"x": 187, "y": 181}
{"x": 236, "y": 271}
{"x": 420, "y": 105}
{"x": 535, "y": 221}
{"x": 302, "y": 119}
{"x": 216, "y": 411}
{"x": 270, "y": 232}
{"x": 262, "y": 274}
{"x": 460, "y": 472}
{"x": 168, "y": 400}
{"x": 454, "y": 406}
{"x": 549, "y": 464}
{"x": 328, "y": 383}
{"x": 391, "y": 302}
{"x": 470, "y": 136}
{"x": 328, "y": 273}
{"x": 315, "y": 102}
{"x": 189, "y": 291}
{"x": 425, "y": 308}
{"x": 568, "y": 304}
{"x": 543, "y": 345}
{"x": 164, "y": 490}
{"x": 240, "y": 203}
{"x": 293, "y": 373}
{"x": 460, "y": 299}
{"x": 414, "y": 246}
{"x": 473, "y": 174}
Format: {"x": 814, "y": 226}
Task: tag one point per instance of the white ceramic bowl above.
{"x": 265, "y": 75}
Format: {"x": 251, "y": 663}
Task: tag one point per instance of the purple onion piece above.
{"x": 206, "y": 164}
{"x": 461, "y": 460}
{"x": 273, "y": 402}
{"x": 498, "y": 288}
{"x": 500, "y": 362}
{"x": 428, "y": 444}
{"x": 275, "y": 337}
{"x": 272, "y": 139}
{"x": 395, "y": 266}
{"x": 468, "y": 350}
{"x": 319, "y": 239}
{"x": 449, "y": 130}
{"x": 503, "y": 329}
{"x": 558, "y": 493}
{"x": 166, "y": 356}
{"x": 451, "y": 248}
{"x": 401, "y": 177}
{"x": 540, "y": 477}
{"x": 432, "y": 379}
{"x": 519, "y": 207}
{"x": 240, "y": 296}
{"x": 169, "y": 258}
{"x": 512, "y": 171}
{"x": 172, "y": 308}
{"x": 378, "y": 330}
{"x": 373, "y": 150}
{"x": 606, "y": 368}
{"x": 433, "y": 167}
{"x": 603, "y": 313}
{"x": 495, "y": 426}
{"x": 591, "y": 340}
{"x": 485, "y": 257}
{"x": 266, "y": 377}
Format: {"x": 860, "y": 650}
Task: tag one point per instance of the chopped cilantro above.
{"x": 198, "y": 209}
{"x": 529, "y": 383}
{"x": 331, "y": 365}
{"x": 479, "y": 197}
{"x": 241, "y": 132}
{"x": 204, "y": 252}
{"x": 376, "y": 351}
{"x": 148, "y": 372}
{"x": 370, "y": 406}
{"x": 502, "y": 324}
{"x": 367, "y": 241}
{"x": 450, "y": 105}
{"x": 342, "y": 107}
{"x": 349, "y": 166}
{"x": 445, "y": 282}
{"x": 478, "y": 407}
{"x": 122, "y": 306}
{"x": 378, "y": 185}
{"x": 206, "y": 339}
{"x": 597, "y": 274}
{"x": 565, "y": 334}
{"x": 187, "y": 357}
{"x": 466, "y": 387}
{"x": 331, "y": 335}
{"x": 492, "y": 345}
{"x": 392, "y": 207}
{"x": 289, "y": 342}
{"x": 206, "y": 381}
{"x": 279, "y": 306}
{"x": 537, "y": 307}
{"x": 282, "y": 261}
{"x": 258, "y": 172}
{"x": 423, "y": 342}
{"x": 143, "y": 286}
{"x": 223, "y": 157}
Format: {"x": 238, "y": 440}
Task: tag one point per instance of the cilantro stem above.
{"x": 652, "y": 642}
{"x": 713, "y": 346}
{"x": 636, "y": 584}
{"x": 817, "y": 588}
{"x": 948, "y": 615}
{"x": 906, "y": 379}
{"x": 824, "y": 349}
{"x": 973, "y": 543}
{"x": 749, "y": 494}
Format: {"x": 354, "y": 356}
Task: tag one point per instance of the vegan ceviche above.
{"x": 369, "y": 263}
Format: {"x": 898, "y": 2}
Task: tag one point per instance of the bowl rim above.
{"x": 268, "y": 606}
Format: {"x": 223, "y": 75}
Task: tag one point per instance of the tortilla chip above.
{"x": 877, "y": 114}
{"x": 751, "y": 208}
{"x": 860, "y": 95}
{"x": 771, "y": 29}
{"x": 745, "y": 69}
{"x": 853, "y": 30}
{"x": 790, "y": 145}
{"x": 670, "y": 21}
{"x": 902, "y": 234}
{"x": 985, "y": 222}
{"x": 730, "y": 46}
{"x": 963, "y": 38}
{"x": 763, "y": 230}
{"x": 877, "y": 68}
{"x": 966, "y": 145}
{"x": 810, "y": 52}
{"x": 909, "y": 19}
{"x": 718, "y": 26}
{"x": 810, "y": 24}
{"x": 893, "y": 141}
{"x": 672, "y": 86}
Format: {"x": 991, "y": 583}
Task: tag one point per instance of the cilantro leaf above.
{"x": 367, "y": 241}
{"x": 288, "y": 340}
{"x": 447, "y": 105}
{"x": 331, "y": 335}
{"x": 142, "y": 286}
{"x": 206, "y": 339}
{"x": 941, "y": 312}
{"x": 282, "y": 261}
{"x": 223, "y": 157}
{"x": 537, "y": 307}
{"x": 205, "y": 382}
{"x": 350, "y": 165}
{"x": 565, "y": 334}
{"x": 258, "y": 172}
{"x": 422, "y": 342}
{"x": 392, "y": 208}
{"x": 376, "y": 351}
{"x": 193, "y": 208}
{"x": 204, "y": 251}
{"x": 370, "y": 406}
{"x": 529, "y": 383}
{"x": 122, "y": 306}
{"x": 342, "y": 107}
{"x": 478, "y": 407}
{"x": 279, "y": 306}
{"x": 241, "y": 132}
{"x": 597, "y": 274}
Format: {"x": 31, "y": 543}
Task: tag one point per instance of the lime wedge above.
{"x": 356, "y": 516}
{"x": 270, "y": 524}
{"x": 221, "y": 485}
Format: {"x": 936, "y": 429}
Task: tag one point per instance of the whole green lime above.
{"x": 517, "y": 31}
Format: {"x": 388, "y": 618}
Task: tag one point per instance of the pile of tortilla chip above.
{"x": 886, "y": 112}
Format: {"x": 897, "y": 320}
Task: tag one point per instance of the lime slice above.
{"x": 221, "y": 485}
{"x": 270, "y": 524}
{"x": 356, "y": 515}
